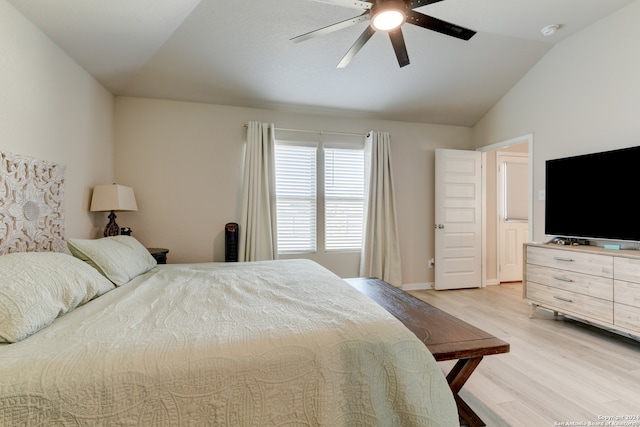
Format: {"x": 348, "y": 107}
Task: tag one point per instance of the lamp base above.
{"x": 112, "y": 228}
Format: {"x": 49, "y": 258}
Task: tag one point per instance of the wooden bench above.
{"x": 447, "y": 337}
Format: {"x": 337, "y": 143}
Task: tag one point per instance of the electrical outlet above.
{"x": 432, "y": 263}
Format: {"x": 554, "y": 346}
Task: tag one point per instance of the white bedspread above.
{"x": 276, "y": 343}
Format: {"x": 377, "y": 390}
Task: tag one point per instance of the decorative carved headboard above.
{"x": 31, "y": 205}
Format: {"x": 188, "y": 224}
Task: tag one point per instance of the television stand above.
{"x": 595, "y": 284}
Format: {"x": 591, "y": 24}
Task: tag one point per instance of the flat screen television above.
{"x": 594, "y": 196}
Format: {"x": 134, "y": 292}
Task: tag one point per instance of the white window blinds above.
{"x": 296, "y": 198}
{"x": 343, "y": 198}
{"x": 319, "y": 197}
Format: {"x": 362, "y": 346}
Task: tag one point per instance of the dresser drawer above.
{"x": 571, "y": 302}
{"x": 627, "y": 317}
{"x": 627, "y": 269}
{"x": 627, "y": 293}
{"x": 586, "y": 284}
{"x": 580, "y": 262}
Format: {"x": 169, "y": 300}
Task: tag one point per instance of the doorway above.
{"x": 493, "y": 248}
{"x": 513, "y": 213}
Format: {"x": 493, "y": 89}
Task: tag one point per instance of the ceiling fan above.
{"x": 387, "y": 16}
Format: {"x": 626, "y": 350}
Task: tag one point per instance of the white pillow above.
{"x": 118, "y": 258}
{"x": 38, "y": 287}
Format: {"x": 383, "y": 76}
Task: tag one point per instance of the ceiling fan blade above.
{"x": 414, "y": 4}
{"x": 354, "y": 4}
{"x": 399, "y": 46}
{"x": 331, "y": 28}
{"x": 438, "y": 25}
{"x": 364, "y": 37}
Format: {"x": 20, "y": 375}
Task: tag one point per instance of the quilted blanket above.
{"x": 274, "y": 343}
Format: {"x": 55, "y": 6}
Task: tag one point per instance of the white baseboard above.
{"x": 429, "y": 285}
{"x": 417, "y": 286}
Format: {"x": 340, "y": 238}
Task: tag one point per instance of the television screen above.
{"x": 594, "y": 195}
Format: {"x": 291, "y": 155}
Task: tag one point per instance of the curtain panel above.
{"x": 381, "y": 247}
{"x": 257, "y": 235}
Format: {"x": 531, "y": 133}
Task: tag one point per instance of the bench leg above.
{"x": 466, "y": 414}
{"x": 456, "y": 378}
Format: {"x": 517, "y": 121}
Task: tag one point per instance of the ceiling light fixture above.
{"x": 388, "y": 15}
{"x": 549, "y": 30}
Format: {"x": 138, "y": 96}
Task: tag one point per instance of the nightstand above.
{"x": 160, "y": 254}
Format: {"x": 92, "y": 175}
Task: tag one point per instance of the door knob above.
{"x": 439, "y": 226}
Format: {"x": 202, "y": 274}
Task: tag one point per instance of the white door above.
{"x": 458, "y": 227}
{"x": 513, "y": 212}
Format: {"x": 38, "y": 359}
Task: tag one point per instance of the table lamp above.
{"x": 113, "y": 197}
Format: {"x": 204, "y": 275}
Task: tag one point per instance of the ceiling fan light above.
{"x": 387, "y": 20}
{"x": 387, "y": 16}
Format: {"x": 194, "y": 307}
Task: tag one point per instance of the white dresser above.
{"x": 598, "y": 285}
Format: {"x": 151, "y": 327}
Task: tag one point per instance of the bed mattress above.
{"x": 274, "y": 343}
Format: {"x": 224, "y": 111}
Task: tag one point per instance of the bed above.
{"x": 97, "y": 334}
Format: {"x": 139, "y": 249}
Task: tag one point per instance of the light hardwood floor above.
{"x": 558, "y": 372}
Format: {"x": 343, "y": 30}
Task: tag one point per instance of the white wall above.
{"x": 51, "y": 109}
{"x": 582, "y": 97}
{"x": 184, "y": 161}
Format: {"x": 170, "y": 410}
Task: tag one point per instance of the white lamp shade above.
{"x": 113, "y": 197}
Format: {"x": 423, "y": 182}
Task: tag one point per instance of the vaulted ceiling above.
{"x": 239, "y": 52}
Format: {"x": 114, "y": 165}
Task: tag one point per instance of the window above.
{"x": 319, "y": 197}
{"x": 296, "y": 198}
{"x": 343, "y": 198}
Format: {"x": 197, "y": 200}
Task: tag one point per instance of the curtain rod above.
{"x": 319, "y": 132}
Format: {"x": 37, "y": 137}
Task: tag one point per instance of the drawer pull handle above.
{"x": 563, "y": 298}
{"x": 563, "y": 279}
{"x": 557, "y": 258}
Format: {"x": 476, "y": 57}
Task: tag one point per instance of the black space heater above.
{"x": 231, "y": 242}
